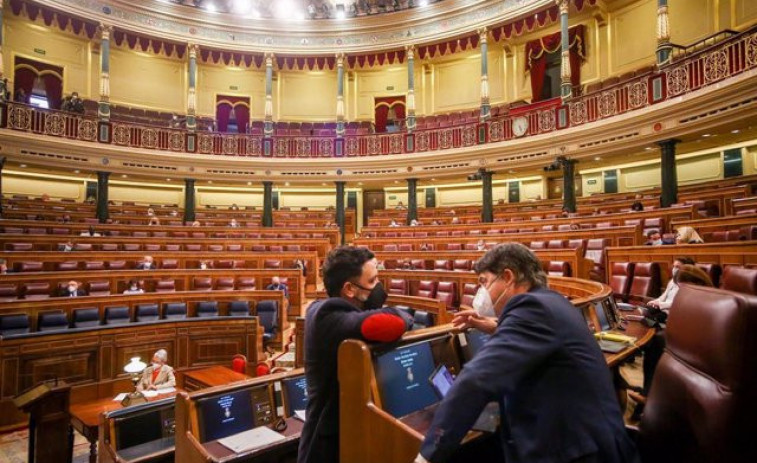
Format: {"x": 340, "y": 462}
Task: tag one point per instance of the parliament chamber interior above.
{"x": 177, "y": 175}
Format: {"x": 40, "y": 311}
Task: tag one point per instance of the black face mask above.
{"x": 376, "y": 298}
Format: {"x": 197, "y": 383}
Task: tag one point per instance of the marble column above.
{"x": 340, "y": 209}
{"x": 483, "y": 35}
{"x": 487, "y": 208}
{"x": 192, "y": 95}
{"x": 189, "y": 200}
{"x": 268, "y": 204}
{"x": 410, "y": 103}
{"x": 102, "y": 196}
{"x": 103, "y": 108}
{"x": 569, "y": 185}
{"x": 566, "y": 89}
{"x": 340, "y": 95}
{"x": 268, "y": 125}
{"x": 412, "y": 200}
{"x": 664, "y": 47}
{"x": 669, "y": 180}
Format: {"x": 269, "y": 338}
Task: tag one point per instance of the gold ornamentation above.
{"x": 229, "y": 143}
{"x": 149, "y": 138}
{"x": 176, "y": 141}
{"x": 422, "y": 141}
{"x": 496, "y": 131}
{"x": 20, "y": 117}
{"x": 469, "y": 135}
{"x": 87, "y": 130}
{"x": 302, "y": 147}
{"x": 607, "y": 104}
{"x": 446, "y": 138}
{"x": 326, "y": 147}
{"x": 751, "y": 50}
{"x": 577, "y": 112}
{"x": 55, "y": 124}
{"x": 352, "y": 147}
{"x": 715, "y": 66}
{"x": 205, "y": 143}
{"x": 678, "y": 81}
{"x": 281, "y": 147}
{"x": 121, "y": 135}
{"x": 546, "y": 121}
{"x": 374, "y": 145}
{"x": 395, "y": 144}
{"x": 637, "y": 94}
{"x": 253, "y": 147}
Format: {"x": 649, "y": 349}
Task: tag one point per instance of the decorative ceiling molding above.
{"x": 438, "y": 22}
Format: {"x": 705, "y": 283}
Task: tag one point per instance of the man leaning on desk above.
{"x": 541, "y": 364}
{"x": 158, "y": 375}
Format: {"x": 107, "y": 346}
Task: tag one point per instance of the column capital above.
{"x": 483, "y": 34}
{"x": 410, "y": 50}
{"x": 670, "y": 142}
{"x": 105, "y": 31}
{"x": 340, "y": 59}
{"x": 193, "y": 49}
{"x": 564, "y": 6}
{"x": 269, "y": 58}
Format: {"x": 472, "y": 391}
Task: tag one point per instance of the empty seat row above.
{"x": 637, "y": 281}
{"x": 167, "y": 234}
{"x": 165, "y": 264}
{"x": 89, "y": 317}
{"x": 443, "y": 290}
{"x": 194, "y": 247}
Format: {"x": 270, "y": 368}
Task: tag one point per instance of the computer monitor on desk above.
{"x": 295, "y": 391}
{"x": 232, "y": 412}
{"x": 471, "y": 342}
{"x": 402, "y": 377}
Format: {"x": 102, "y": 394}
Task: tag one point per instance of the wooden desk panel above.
{"x": 706, "y": 226}
{"x": 195, "y": 380}
{"x": 92, "y": 360}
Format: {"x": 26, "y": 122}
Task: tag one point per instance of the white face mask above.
{"x": 483, "y": 304}
{"x": 148, "y": 264}
{"x": 203, "y": 266}
{"x": 657, "y": 242}
{"x": 155, "y": 365}
{"x": 71, "y": 289}
{"x": 134, "y": 288}
{"x": 675, "y": 271}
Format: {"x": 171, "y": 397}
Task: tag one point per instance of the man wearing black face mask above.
{"x": 354, "y": 310}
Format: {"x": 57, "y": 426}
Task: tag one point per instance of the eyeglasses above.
{"x": 482, "y": 282}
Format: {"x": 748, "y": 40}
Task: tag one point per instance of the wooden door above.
{"x": 372, "y": 200}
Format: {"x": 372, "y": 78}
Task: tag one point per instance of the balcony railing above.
{"x": 700, "y": 69}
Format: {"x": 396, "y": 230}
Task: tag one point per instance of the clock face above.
{"x": 520, "y": 126}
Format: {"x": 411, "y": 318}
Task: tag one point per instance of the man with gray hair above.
{"x": 158, "y": 375}
{"x": 540, "y": 364}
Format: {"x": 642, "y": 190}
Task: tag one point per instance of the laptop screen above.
{"x": 295, "y": 394}
{"x": 402, "y": 377}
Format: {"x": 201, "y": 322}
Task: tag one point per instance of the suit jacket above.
{"x": 77, "y": 293}
{"x": 279, "y": 287}
{"x": 165, "y": 378}
{"x": 552, "y": 382}
{"x": 328, "y": 322}
{"x": 141, "y": 266}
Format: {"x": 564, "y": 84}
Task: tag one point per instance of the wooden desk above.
{"x": 269, "y": 453}
{"x": 209, "y": 377}
{"x": 85, "y": 418}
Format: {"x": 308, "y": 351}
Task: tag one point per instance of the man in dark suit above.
{"x": 148, "y": 263}
{"x": 354, "y": 310}
{"x": 541, "y": 364}
{"x": 72, "y": 290}
{"x": 277, "y": 285}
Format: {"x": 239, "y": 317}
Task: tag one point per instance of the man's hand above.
{"x": 655, "y": 304}
{"x": 471, "y": 319}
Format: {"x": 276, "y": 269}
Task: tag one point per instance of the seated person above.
{"x": 150, "y": 212}
{"x": 654, "y": 238}
{"x": 90, "y": 232}
{"x": 666, "y": 298}
{"x": 400, "y": 206}
{"x": 300, "y": 264}
{"x": 134, "y": 288}
{"x": 154, "y": 221}
{"x": 196, "y": 223}
{"x": 480, "y": 246}
{"x": 72, "y": 290}
{"x": 455, "y": 221}
{"x": 4, "y": 267}
{"x": 204, "y": 265}
{"x": 687, "y": 235}
{"x": 158, "y": 375}
{"x": 234, "y": 207}
{"x": 277, "y": 285}
{"x": 394, "y": 223}
{"x": 68, "y": 246}
{"x": 148, "y": 263}
{"x": 234, "y": 223}
{"x": 637, "y": 206}
{"x": 414, "y": 223}
{"x": 174, "y": 213}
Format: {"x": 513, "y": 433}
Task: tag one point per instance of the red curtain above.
{"x": 240, "y": 105}
{"x": 26, "y": 72}
{"x": 223, "y": 111}
{"x": 536, "y": 57}
{"x": 382, "y": 106}
{"x": 242, "y": 114}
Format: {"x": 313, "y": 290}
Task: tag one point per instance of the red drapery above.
{"x": 536, "y": 58}
{"x": 240, "y": 105}
{"x": 26, "y": 71}
{"x": 382, "y": 107}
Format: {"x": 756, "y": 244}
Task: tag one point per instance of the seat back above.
{"x": 14, "y": 324}
{"x": 422, "y": 319}
{"x": 271, "y": 263}
{"x": 86, "y": 317}
{"x": 146, "y": 312}
{"x": 245, "y": 284}
{"x": 27, "y": 266}
{"x": 206, "y": 309}
{"x": 558, "y": 268}
{"x": 740, "y": 279}
{"x": 169, "y": 264}
{"x": 268, "y": 314}
{"x": 646, "y": 280}
{"x": 239, "y": 308}
{"x": 621, "y": 275}
{"x": 99, "y": 288}
{"x": 117, "y": 315}
{"x": 165, "y": 286}
{"x": 443, "y": 264}
{"x": 225, "y": 284}
{"x": 397, "y": 287}
{"x": 469, "y": 293}
{"x": 537, "y": 245}
{"x": 53, "y": 320}
{"x": 36, "y": 290}
{"x": 417, "y": 264}
{"x": 67, "y": 266}
{"x": 426, "y": 288}
{"x": 446, "y": 291}
{"x": 202, "y": 283}
{"x": 595, "y": 251}
{"x": 174, "y": 310}
{"x": 713, "y": 271}
{"x": 556, "y": 244}
{"x": 8, "y": 292}
{"x": 705, "y": 385}
{"x": 462, "y": 265}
